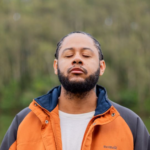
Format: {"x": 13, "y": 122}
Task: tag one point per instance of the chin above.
{"x": 77, "y": 79}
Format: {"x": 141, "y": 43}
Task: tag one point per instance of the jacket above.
{"x": 113, "y": 127}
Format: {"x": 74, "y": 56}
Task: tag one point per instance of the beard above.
{"x": 79, "y": 88}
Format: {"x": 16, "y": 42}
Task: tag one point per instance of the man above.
{"x": 77, "y": 115}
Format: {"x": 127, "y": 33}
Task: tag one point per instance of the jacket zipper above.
{"x": 87, "y": 132}
{"x": 47, "y": 112}
{"x": 88, "y": 129}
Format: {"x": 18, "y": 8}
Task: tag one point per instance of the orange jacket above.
{"x": 113, "y": 127}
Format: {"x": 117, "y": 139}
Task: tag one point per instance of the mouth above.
{"x": 77, "y": 71}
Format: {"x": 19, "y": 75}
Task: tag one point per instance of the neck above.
{"x": 77, "y": 103}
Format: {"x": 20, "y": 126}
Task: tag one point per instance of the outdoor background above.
{"x": 30, "y": 30}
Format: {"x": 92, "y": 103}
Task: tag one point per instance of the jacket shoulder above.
{"x": 128, "y": 115}
{"x": 11, "y": 134}
{"x": 21, "y": 115}
{"x": 136, "y": 125}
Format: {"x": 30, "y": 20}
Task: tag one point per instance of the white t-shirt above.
{"x": 73, "y": 127}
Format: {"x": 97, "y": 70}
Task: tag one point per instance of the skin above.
{"x": 78, "y": 50}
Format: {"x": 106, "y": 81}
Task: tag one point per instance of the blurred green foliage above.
{"x": 30, "y": 30}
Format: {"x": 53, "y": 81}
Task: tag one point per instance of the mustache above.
{"x": 84, "y": 70}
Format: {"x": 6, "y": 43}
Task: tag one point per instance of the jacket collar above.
{"x": 49, "y": 101}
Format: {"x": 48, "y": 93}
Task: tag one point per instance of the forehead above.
{"x": 78, "y": 40}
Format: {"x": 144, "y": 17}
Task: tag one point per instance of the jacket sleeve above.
{"x": 10, "y": 139}
{"x": 149, "y": 143}
{"x": 142, "y": 139}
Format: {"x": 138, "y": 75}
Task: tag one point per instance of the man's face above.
{"x": 78, "y": 61}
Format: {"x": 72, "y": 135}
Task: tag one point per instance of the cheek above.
{"x": 63, "y": 66}
{"x": 93, "y": 65}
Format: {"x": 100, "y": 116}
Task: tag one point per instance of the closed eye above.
{"x": 69, "y": 56}
{"x": 86, "y": 56}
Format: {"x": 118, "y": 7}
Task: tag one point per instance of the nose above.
{"x": 77, "y": 60}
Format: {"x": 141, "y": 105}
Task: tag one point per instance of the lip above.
{"x": 77, "y": 71}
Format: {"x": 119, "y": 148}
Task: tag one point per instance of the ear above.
{"x": 102, "y": 67}
{"x": 55, "y": 66}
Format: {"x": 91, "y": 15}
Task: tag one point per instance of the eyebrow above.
{"x": 71, "y": 48}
